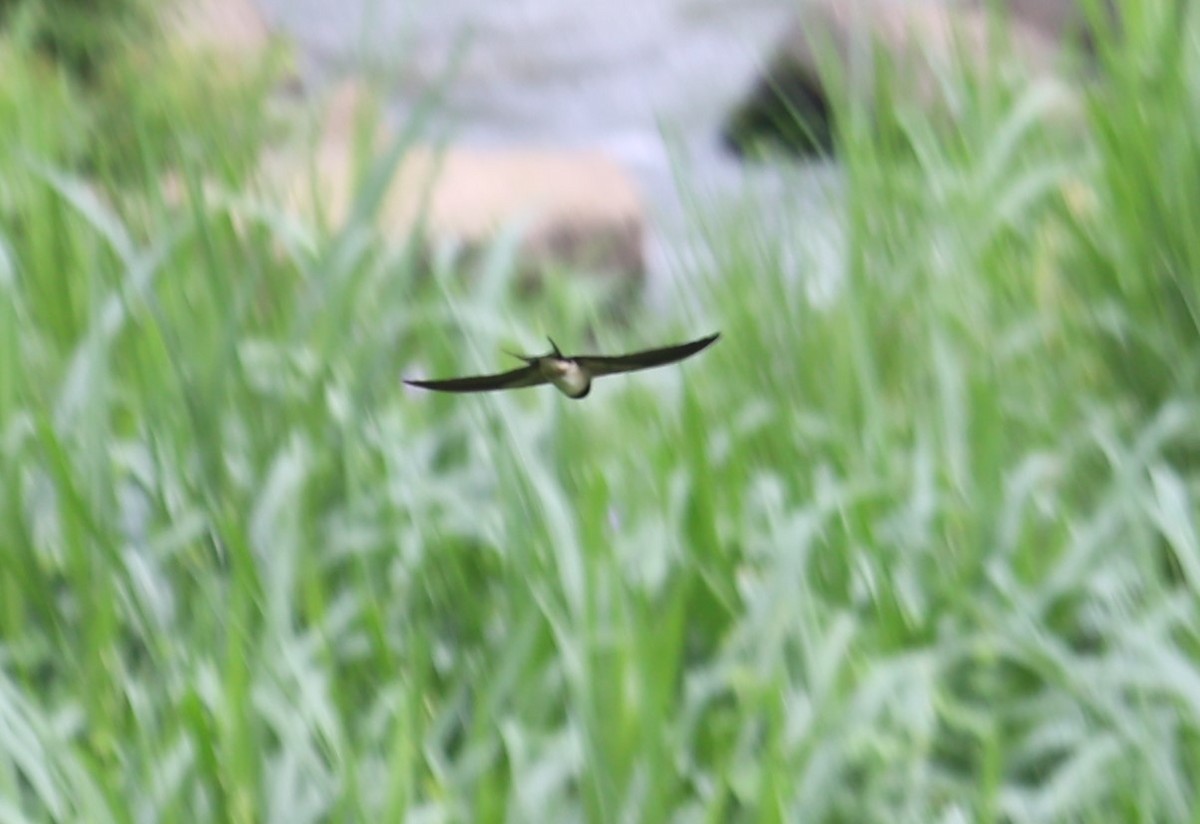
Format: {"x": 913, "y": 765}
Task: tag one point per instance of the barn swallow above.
{"x": 572, "y": 375}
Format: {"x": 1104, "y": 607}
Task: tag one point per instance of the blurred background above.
{"x": 916, "y": 540}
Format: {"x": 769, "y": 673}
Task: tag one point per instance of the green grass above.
{"x": 923, "y": 550}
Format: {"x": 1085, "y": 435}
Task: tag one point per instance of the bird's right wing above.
{"x": 525, "y": 376}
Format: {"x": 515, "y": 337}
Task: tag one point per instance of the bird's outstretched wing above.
{"x": 525, "y": 376}
{"x": 611, "y": 365}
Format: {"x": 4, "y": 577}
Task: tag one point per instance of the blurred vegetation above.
{"x": 132, "y": 102}
{"x": 82, "y": 36}
{"x": 916, "y": 541}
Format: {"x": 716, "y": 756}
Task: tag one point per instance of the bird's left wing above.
{"x": 611, "y": 365}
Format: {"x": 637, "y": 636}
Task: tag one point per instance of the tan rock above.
{"x": 1059, "y": 20}
{"x": 1052, "y": 18}
{"x": 575, "y": 208}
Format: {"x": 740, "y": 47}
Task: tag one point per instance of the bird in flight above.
{"x": 571, "y": 374}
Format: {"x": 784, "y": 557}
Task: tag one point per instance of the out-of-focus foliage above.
{"x": 916, "y": 541}
{"x": 80, "y": 35}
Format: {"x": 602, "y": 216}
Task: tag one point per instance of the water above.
{"x": 648, "y": 81}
